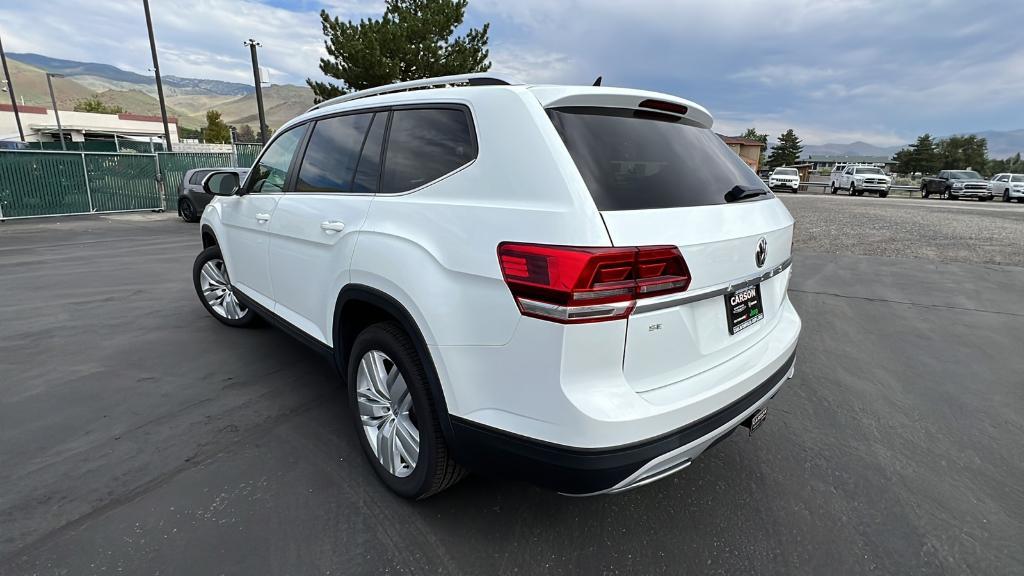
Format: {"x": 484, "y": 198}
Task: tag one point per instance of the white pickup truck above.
{"x": 860, "y": 179}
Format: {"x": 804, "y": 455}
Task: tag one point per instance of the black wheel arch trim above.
{"x": 384, "y": 301}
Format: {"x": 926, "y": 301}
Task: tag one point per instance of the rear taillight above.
{"x": 572, "y": 284}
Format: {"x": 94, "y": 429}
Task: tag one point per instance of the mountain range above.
{"x": 188, "y": 99}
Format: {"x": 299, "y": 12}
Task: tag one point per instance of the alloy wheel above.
{"x": 386, "y": 413}
{"x": 218, "y": 292}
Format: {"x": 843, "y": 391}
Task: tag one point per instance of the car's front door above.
{"x": 247, "y": 217}
{"x": 317, "y": 222}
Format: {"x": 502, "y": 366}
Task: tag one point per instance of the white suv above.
{"x": 788, "y": 178}
{"x": 579, "y": 286}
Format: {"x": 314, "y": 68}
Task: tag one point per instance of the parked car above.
{"x": 788, "y": 178}
{"x": 1009, "y": 187}
{"x": 858, "y": 179}
{"x": 575, "y": 285}
{"x": 14, "y": 145}
{"x": 192, "y": 200}
{"x": 954, "y": 184}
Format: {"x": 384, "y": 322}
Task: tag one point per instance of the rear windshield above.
{"x": 634, "y": 160}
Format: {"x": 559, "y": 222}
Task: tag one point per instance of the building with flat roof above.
{"x": 40, "y": 125}
{"x": 828, "y": 161}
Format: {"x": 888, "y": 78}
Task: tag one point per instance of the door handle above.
{"x": 332, "y": 226}
{"x": 262, "y": 217}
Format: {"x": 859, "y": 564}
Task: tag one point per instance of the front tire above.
{"x": 213, "y": 285}
{"x": 395, "y": 414}
{"x": 187, "y": 210}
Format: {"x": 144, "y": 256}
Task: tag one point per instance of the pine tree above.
{"x": 413, "y": 39}
{"x": 216, "y": 131}
{"x": 787, "y": 151}
{"x": 923, "y": 156}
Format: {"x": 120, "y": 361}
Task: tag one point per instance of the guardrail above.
{"x": 894, "y": 190}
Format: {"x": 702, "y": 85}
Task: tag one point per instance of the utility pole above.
{"x": 159, "y": 83}
{"x": 10, "y": 88}
{"x": 252, "y": 44}
{"x": 60, "y": 130}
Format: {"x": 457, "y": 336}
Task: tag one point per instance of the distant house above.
{"x": 747, "y": 149}
{"x": 828, "y": 161}
{"x": 40, "y": 125}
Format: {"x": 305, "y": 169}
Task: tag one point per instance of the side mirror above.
{"x": 221, "y": 183}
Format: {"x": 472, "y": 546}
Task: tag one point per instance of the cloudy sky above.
{"x": 882, "y": 71}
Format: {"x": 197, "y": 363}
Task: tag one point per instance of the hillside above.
{"x": 188, "y": 99}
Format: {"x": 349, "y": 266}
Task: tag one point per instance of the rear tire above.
{"x": 213, "y": 286}
{"x": 187, "y": 210}
{"x": 392, "y": 405}
{"x": 833, "y": 188}
{"x": 924, "y": 191}
{"x": 1006, "y": 195}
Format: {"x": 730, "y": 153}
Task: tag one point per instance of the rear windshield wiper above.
{"x": 743, "y": 192}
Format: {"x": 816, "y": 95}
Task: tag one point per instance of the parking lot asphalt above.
{"x": 140, "y": 436}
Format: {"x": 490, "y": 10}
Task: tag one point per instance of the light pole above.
{"x": 252, "y": 44}
{"x": 159, "y": 83}
{"x": 10, "y": 88}
{"x": 60, "y": 130}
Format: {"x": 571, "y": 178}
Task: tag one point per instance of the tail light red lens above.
{"x": 571, "y": 284}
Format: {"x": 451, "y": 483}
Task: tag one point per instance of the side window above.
{"x": 1004, "y": 178}
{"x": 270, "y": 174}
{"x": 368, "y": 170}
{"x": 197, "y": 177}
{"x": 425, "y": 144}
{"x": 329, "y": 164}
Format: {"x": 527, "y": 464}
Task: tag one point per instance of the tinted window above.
{"x": 424, "y": 145}
{"x": 632, "y": 160}
{"x": 197, "y": 177}
{"x": 368, "y": 171}
{"x": 271, "y": 171}
{"x": 329, "y": 164}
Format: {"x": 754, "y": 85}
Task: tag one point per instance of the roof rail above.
{"x": 475, "y": 79}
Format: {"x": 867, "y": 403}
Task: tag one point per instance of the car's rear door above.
{"x": 662, "y": 182}
{"x": 316, "y": 224}
{"x": 247, "y": 217}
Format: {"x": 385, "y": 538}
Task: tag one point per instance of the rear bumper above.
{"x": 591, "y": 471}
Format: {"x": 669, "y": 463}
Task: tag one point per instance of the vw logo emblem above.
{"x": 761, "y": 254}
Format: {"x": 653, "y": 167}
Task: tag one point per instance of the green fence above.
{"x": 173, "y": 166}
{"x": 122, "y": 182}
{"x": 247, "y": 153}
{"x": 50, "y": 183}
{"x": 42, "y": 183}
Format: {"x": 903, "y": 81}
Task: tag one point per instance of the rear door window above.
{"x": 634, "y": 160}
{"x": 329, "y": 164}
{"x": 424, "y": 144}
{"x": 197, "y": 177}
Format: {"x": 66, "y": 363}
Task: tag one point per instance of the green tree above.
{"x": 97, "y": 106}
{"x": 904, "y": 161}
{"x": 189, "y": 133}
{"x": 245, "y": 134}
{"x": 413, "y": 39}
{"x": 786, "y": 151}
{"x": 216, "y": 129}
{"x": 923, "y": 156}
{"x": 962, "y": 152}
{"x": 753, "y": 134}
